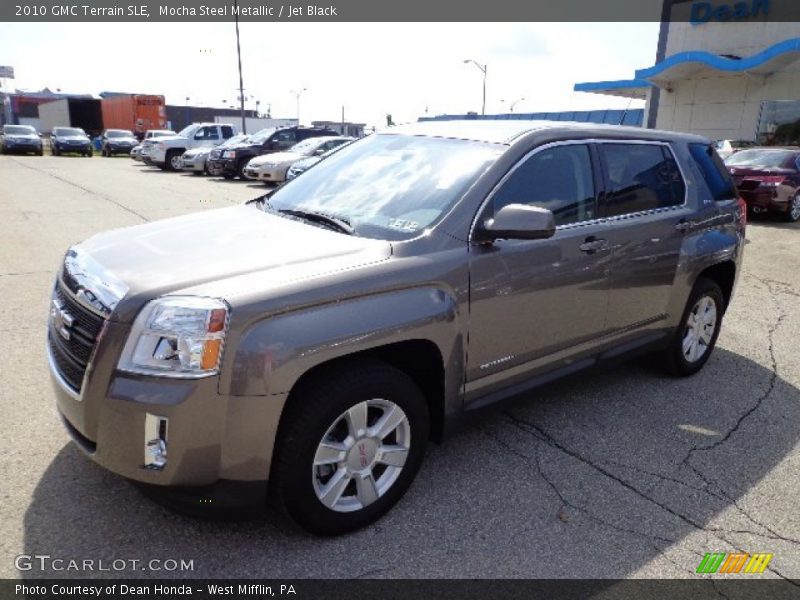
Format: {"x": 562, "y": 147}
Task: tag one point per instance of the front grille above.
{"x": 71, "y": 356}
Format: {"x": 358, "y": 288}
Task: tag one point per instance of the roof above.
{"x": 505, "y": 132}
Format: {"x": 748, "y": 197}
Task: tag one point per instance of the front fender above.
{"x": 276, "y": 351}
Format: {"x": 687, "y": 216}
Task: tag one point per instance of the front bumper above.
{"x": 119, "y": 149}
{"x": 223, "y": 166}
{"x": 23, "y": 146}
{"x": 275, "y": 174}
{"x": 74, "y": 147}
{"x": 195, "y": 163}
{"x": 209, "y": 436}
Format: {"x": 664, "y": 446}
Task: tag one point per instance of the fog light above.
{"x": 155, "y": 442}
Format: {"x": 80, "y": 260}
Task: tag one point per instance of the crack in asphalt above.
{"x": 84, "y": 189}
{"x": 773, "y": 381}
{"x": 715, "y": 489}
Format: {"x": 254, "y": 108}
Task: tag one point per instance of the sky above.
{"x": 405, "y": 69}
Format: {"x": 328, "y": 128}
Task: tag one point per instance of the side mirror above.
{"x": 517, "y": 222}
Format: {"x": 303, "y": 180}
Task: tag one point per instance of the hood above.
{"x": 21, "y": 136}
{"x": 211, "y": 246}
{"x": 81, "y": 138}
{"x": 197, "y": 151}
{"x": 168, "y": 139}
{"x": 123, "y": 140}
{"x": 276, "y": 158}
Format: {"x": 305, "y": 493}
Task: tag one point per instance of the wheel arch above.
{"x": 724, "y": 275}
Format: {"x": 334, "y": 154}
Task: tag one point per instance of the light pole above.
{"x": 483, "y": 70}
{"x": 513, "y": 104}
{"x": 239, "y": 57}
{"x": 297, "y": 95}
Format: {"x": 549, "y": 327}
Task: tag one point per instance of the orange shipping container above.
{"x": 137, "y": 112}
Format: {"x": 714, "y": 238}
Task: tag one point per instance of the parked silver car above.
{"x": 309, "y": 344}
{"x": 195, "y": 160}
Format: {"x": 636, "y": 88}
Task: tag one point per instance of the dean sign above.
{"x": 703, "y": 12}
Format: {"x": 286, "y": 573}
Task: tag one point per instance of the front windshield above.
{"x": 118, "y": 133}
{"x": 261, "y": 136}
{"x": 69, "y": 131}
{"x": 388, "y": 187}
{"x": 237, "y": 139}
{"x": 19, "y": 130}
{"x": 308, "y": 145}
{"x": 188, "y": 131}
{"x": 764, "y": 159}
{"x": 162, "y": 133}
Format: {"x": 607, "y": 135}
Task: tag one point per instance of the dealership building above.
{"x": 726, "y": 70}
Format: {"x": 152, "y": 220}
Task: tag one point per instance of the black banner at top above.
{"x": 693, "y": 11}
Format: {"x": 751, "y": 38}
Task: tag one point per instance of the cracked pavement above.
{"x": 615, "y": 473}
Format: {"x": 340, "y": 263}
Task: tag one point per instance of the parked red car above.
{"x": 768, "y": 180}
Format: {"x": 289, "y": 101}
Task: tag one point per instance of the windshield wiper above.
{"x": 339, "y": 223}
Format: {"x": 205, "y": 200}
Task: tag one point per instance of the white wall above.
{"x": 724, "y": 105}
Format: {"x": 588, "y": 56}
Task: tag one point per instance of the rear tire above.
{"x": 792, "y": 215}
{"x": 349, "y": 446}
{"x": 693, "y": 341}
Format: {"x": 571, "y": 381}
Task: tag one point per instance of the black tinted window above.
{"x": 227, "y": 132}
{"x": 714, "y": 171}
{"x": 559, "y": 179}
{"x": 641, "y": 177}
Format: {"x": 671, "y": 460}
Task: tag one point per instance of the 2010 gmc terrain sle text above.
{"x": 305, "y": 346}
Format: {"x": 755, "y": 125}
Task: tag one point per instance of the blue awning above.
{"x": 626, "y": 88}
{"x": 688, "y": 64}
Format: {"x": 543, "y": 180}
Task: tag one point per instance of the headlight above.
{"x": 177, "y": 336}
{"x": 229, "y": 154}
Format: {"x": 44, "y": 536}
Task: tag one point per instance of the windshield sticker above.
{"x": 403, "y": 224}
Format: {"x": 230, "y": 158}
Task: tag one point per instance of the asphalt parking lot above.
{"x": 620, "y": 473}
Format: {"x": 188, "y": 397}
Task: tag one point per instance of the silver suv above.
{"x": 306, "y": 346}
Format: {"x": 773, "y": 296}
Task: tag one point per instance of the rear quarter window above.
{"x": 641, "y": 177}
{"x": 715, "y": 173}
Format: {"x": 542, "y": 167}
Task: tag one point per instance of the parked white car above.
{"x": 196, "y": 160}
{"x": 272, "y": 168}
{"x": 150, "y": 134}
{"x": 166, "y": 153}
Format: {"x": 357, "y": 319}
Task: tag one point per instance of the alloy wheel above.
{"x": 361, "y": 455}
{"x": 699, "y": 331}
{"x": 794, "y": 210}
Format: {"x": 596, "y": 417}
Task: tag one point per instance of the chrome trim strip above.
{"x": 588, "y": 141}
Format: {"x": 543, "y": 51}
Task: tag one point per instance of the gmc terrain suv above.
{"x": 318, "y": 337}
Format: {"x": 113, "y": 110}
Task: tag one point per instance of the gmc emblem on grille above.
{"x": 62, "y": 320}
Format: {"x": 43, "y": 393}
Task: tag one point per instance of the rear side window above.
{"x": 559, "y": 179}
{"x": 227, "y": 132}
{"x": 641, "y": 177}
{"x": 714, "y": 172}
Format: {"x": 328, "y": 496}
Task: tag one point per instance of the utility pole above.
{"x": 239, "y": 56}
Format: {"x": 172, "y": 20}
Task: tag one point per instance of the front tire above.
{"x": 694, "y": 339}
{"x": 349, "y": 446}
{"x": 173, "y": 160}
